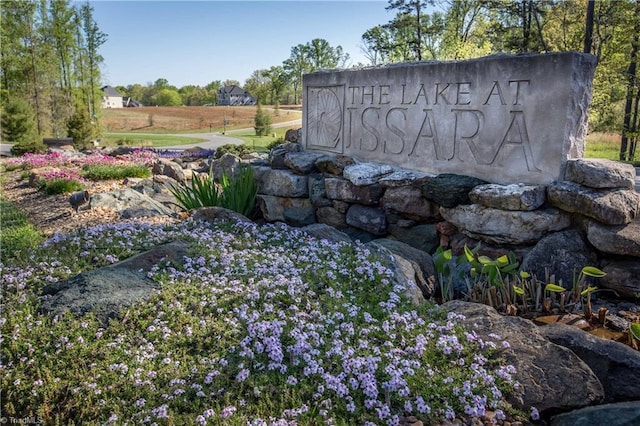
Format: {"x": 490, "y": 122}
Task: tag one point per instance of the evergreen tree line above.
{"x": 49, "y": 71}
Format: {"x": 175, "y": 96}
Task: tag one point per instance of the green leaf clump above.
{"x": 237, "y": 193}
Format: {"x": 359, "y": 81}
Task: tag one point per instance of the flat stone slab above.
{"x": 106, "y": 291}
{"x": 516, "y": 196}
{"x": 505, "y": 227}
{"x": 502, "y": 118}
{"x": 601, "y": 173}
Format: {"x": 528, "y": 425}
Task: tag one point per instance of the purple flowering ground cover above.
{"x": 259, "y": 325}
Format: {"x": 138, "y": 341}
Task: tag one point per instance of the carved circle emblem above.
{"x": 328, "y": 118}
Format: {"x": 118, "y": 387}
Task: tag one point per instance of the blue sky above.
{"x": 196, "y": 42}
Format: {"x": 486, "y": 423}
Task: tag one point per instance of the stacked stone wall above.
{"x": 591, "y": 217}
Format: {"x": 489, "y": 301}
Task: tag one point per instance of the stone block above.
{"x": 502, "y": 118}
{"x": 343, "y": 190}
{"x": 273, "y": 208}
{"x": 281, "y": 183}
{"x": 519, "y": 197}
{"x": 608, "y": 206}
{"x": 600, "y": 173}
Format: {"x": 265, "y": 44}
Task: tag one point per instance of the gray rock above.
{"x": 169, "y": 168}
{"x": 620, "y": 414}
{"x": 332, "y": 217}
{"x": 281, "y": 183}
{"x": 333, "y": 164}
{"x": 409, "y": 201}
{"x": 127, "y": 198}
{"x": 504, "y": 226}
{"x": 616, "y": 364}
{"x": 405, "y": 272}
{"x": 317, "y": 191}
{"x": 326, "y": 232}
{"x": 299, "y": 216}
{"x": 608, "y": 206}
{"x": 621, "y": 240}
{"x": 273, "y": 208}
{"x": 301, "y": 162}
{"x": 106, "y": 291}
{"x": 136, "y": 212}
{"x": 370, "y": 219}
{"x": 215, "y": 214}
{"x": 277, "y": 154}
{"x": 293, "y": 135}
{"x": 228, "y": 164}
{"x": 623, "y": 276}
{"x": 600, "y": 173}
{"x": 366, "y": 173}
{"x": 552, "y": 378}
{"x": 449, "y": 190}
{"x": 562, "y": 254}
{"x": 422, "y": 237}
{"x": 398, "y": 178}
{"x": 509, "y": 197}
{"x": 343, "y": 190}
{"x": 425, "y": 271}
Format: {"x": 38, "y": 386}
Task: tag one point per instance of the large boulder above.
{"x": 448, "y": 189}
{"x": 608, "y": 206}
{"x": 509, "y": 197}
{"x": 127, "y": 198}
{"x": 552, "y": 378}
{"x": 281, "y": 183}
{"x": 422, "y": 263}
{"x": 620, "y": 414}
{"x": 366, "y": 173}
{"x": 343, "y": 190}
{"x": 620, "y": 240}
{"x": 562, "y": 254}
{"x": 108, "y": 290}
{"x": 333, "y": 164}
{"x": 370, "y": 219}
{"x": 273, "y": 208}
{"x": 505, "y": 226}
{"x": 623, "y": 277}
{"x": 616, "y": 364}
{"x": 301, "y": 163}
{"x": 600, "y": 173}
{"x": 409, "y": 201}
{"x": 326, "y": 232}
{"x": 169, "y": 168}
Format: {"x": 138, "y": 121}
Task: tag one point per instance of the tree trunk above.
{"x": 588, "y": 31}
{"x": 631, "y": 84}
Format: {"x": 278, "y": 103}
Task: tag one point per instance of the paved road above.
{"x": 213, "y": 140}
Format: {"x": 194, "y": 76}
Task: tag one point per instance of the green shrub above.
{"x": 16, "y": 233}
{"x": 60, "y": 186}
{"x": 278, "y": 141}
{"x": 238, "y": 150}
{"x": 234, "y": 193}
{"x": 111, "y": 171}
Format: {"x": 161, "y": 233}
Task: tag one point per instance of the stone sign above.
{"x": 503, "y": 118}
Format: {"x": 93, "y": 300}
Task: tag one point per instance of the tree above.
{"x": 321, "y": 55}
{"x": 296, "y": 66}
{"x": 81, "y": 129}
{"x": 19, "y": 127}
{"x": 262, "y": 121}
{"x": 412, "y": 9}
{"x": 167, "y": 97}
{"x": 629, "y": 125}
{"x": 277, "y": 79}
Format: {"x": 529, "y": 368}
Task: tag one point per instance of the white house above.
{"x": 111, "y": 98}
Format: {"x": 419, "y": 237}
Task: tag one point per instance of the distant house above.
{"x": 111, "y": 98}
{"x": 234, "y": 95}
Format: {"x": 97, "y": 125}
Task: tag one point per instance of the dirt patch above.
{"x": 54, "y": 213}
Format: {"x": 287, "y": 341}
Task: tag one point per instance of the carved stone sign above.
{"x": 505, "y": 119}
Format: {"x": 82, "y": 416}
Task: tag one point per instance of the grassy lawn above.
{"x": 260, "y": 143}
{"x": 145, "y": 139}
{"x": 605, "y": 145}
